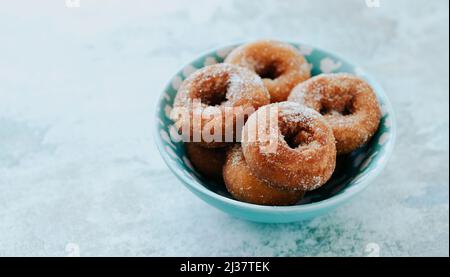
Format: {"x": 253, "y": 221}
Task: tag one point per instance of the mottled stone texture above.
{"x": 78, "y": 163}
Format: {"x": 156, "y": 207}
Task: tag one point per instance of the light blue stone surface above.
{"x": 79, "y": 171}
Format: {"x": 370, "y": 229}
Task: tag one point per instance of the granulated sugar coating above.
{"x": 348, "y": 104}
{"x": 279, "y": 64}
{"x": 218, "y": 86}
{"x": 292, "y": 112}
{"x": 305, "y": 153}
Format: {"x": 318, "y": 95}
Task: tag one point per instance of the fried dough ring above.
{"x": 279, "y": 64}
{"x": 304, "y": 156}
{"x": 215, "y": 88}
{"x": 245, "y": 186}
{"x": 348, "y": 104}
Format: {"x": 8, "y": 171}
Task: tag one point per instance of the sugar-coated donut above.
{"x": 245, "y": 186}
{"x": 207, "y": 161}
{"x": 280, "y": 65}
{"x": 347, "y": 102}
{"x": 218, "y": 86}
{"x": 305, "y": 154}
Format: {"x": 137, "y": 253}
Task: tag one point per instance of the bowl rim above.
{"x": 308, "y": 207}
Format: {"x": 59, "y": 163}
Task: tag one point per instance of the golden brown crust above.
{"x": 207, "y": 161}
{"x": 348, "y": 103}
{"x": 218, "y": 86}
{"x": 280, "y": 65}
{"x": 305, "y": 155}
{"x": 245, "y": 186}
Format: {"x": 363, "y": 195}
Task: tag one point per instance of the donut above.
{"x": 216, "y": 88}
{"x": 279, "y": 64}
{"x": 207, "y": 161}
{"x": 303, "y": 152}
{"x": 243, "y": 185}
{"x": 348, "y": 104}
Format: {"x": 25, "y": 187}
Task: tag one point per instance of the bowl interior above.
{"x": 351, "y": 169}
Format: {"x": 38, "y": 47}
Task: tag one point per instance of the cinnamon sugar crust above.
{"x": 348, "y": 104}
{"x": 279, "y": 64}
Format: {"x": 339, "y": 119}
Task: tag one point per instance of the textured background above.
{"x": 80, "y": 174}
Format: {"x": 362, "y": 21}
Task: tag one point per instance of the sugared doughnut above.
{"x": 217, "y": 87}
{"x": 280, "y": 65}
{"x": 207, "y": 161}
{"x": 245, "y": 186}
{"x": 347, "y": 102}
{"x": 305, "y": 154}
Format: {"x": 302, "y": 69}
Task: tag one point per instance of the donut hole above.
{"x": 269, "y": 71}
{"x": 343, "y": 108}
{"x": 298, "y": 139}
{"x": 215, "y": 99}
{"x": 348, "y": 110}
{"x": 327, "y": 111}
{"x": 212, "y": 91}
{"x": 324, "y": 110}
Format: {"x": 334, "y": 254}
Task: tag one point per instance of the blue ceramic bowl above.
{"x": 354, "y": 172}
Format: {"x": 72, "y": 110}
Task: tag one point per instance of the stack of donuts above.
{"x": 318, "y": 118}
